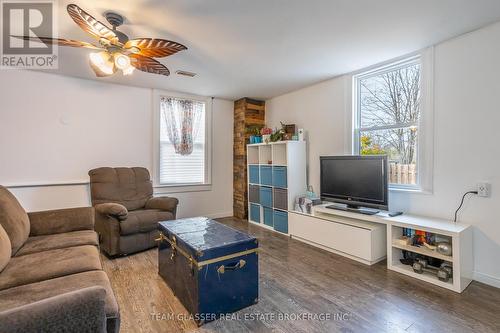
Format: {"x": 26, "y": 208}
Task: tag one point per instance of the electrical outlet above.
{"x": 483, "y": 189}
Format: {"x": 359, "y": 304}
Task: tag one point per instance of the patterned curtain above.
{"x": 182, "y": 121}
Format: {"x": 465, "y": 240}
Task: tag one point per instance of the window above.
{"x": 184, "y": 144}
{"x": 387, "y": 119}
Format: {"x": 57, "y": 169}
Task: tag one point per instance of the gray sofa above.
{"x": 127, "y": 214}
{"x": 51, "y": 278}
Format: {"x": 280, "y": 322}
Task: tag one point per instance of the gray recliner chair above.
{"x": 127, "y": 214}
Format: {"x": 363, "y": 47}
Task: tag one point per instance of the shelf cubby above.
{"x": 265, "y": 154}
{"x": 279, "y": 154}
{"x": 253, "y": 155}
{"x": 459, "y": 260}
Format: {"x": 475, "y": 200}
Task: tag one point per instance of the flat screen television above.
{"x": 357, "y": 181}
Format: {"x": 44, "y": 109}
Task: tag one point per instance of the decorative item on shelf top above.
{"x": 290, "y": 128}
{"x": 277, "y": 135}
{"x": 289, "y": 131}
{"x": 254, "y": 132}
{"x": 305, "y": 203}
{"x": 266, "y": 133}
{"x": 255, "y": 139}
{"x": 310, "y": 193}
{"x": 301, "y": 134}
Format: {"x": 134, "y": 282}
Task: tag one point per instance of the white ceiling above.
{"x": 264, "y": 48}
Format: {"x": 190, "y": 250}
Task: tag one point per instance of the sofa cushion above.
{"x": 33, "y": 292}
{"x": 77, "y": 311}
{"x": 5, "y": 248}
{"x": 58, "y": 241}
{"x": 144, "y": 220}
{"x": 50, "y": 264}
{"x": 13, "y": 219}
{"x": 130, "y": 187}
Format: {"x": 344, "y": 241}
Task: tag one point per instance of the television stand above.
{"x": 369, "y": 238}
{"x": 359, "y": 210}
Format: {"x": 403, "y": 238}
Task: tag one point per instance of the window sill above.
{"x": 409, "y": 190}
{"x": 163, "y": 189}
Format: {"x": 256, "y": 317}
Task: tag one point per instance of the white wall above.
{"x": 54, "y": 128}
{"x": 466, "y": 137}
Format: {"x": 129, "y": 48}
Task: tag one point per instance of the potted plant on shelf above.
{"x": 277, "y": 135}
{"x": 266, "y": 134}
{"x": 254, "y": 132}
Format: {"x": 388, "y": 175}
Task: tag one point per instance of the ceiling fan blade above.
{"x": 90, "y": 25}
{"x": 152, "y": 47}
{"x": 148, "y": 65}
{"x": 60, "y": 42}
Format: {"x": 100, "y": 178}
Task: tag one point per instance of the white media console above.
{"x": 372, "y": 238}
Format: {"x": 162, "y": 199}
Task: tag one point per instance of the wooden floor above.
{"x": 298, "y": 279}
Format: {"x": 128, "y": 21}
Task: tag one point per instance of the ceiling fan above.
{"x": 116, "y": 50}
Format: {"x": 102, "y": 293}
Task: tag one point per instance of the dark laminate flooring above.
{"x": 340, "y": 295}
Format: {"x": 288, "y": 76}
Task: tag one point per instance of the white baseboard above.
{"x": 487, "y": 279}
{"x": 219, "y": 215}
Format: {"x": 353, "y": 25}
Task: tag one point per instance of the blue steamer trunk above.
{"x": 211, "y": 268}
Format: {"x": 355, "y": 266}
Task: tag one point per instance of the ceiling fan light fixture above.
{"x": 102, "y": 62}
{"x": 122, "y": 61}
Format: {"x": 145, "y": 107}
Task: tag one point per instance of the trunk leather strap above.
{"x": 192, "y": 262}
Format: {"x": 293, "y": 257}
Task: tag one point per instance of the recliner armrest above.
{"x": 77, "y": 311}
{"x": 115, "y": 210}
{"x": 168, "y": 204}
{"x": 61, "y": 220}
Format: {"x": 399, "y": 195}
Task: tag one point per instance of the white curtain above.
{"x": 182, "y": 122}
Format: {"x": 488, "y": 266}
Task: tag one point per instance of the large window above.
{"x": 183, "y": 142}
{"x": 387, "y": 118}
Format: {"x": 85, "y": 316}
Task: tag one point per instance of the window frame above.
{"x": 174, "y": 187}
{"x": 425, "y": 122}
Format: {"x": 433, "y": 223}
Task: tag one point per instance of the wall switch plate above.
{"x": 483, "y": 189}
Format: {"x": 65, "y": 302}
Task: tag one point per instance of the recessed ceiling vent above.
{"x": 185, "y": 73}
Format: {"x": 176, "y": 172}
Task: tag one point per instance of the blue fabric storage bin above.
{"x": 253, "y": 193}
{"x": 268, "y": 216}
{"x": 253, "y": 171}
{"x": 280, "y": 220}
{"x": 279, "y": 176}
{"x": 266, "y": 196}
{"x": 266, "y": 175}
{"x": 255, "y": 212}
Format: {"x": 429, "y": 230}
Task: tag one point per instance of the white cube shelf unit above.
{"x": 460, "y": 259}
{"x": 276, "y": 176}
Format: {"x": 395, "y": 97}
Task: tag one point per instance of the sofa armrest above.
{"x": 168, "y": 204}
{"x": 77, "y": 311}
{"x": 61, "y": 220}
{"x": 112, "y": 210}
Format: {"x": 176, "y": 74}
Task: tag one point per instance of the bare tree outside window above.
{"x": 388, "y": 115}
